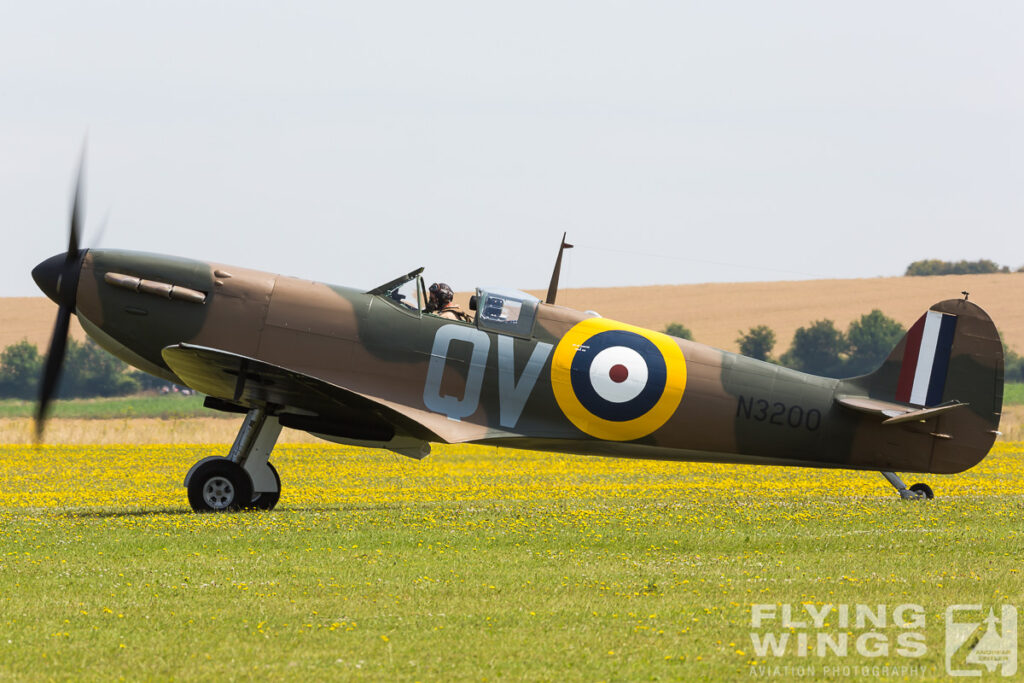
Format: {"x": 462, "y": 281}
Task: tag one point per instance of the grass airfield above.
{"x": 475, "y": 564}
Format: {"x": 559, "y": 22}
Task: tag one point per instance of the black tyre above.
{"x": 923, "y": 488}
{"x": 219, "y": 485}
{"x": 268, "y": 499}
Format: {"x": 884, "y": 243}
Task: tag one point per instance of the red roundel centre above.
{"x": 618, "y": 373}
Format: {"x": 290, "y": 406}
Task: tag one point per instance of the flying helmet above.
{"x": 441, "y": 293}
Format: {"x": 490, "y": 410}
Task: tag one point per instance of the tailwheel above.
{"x": 218, "y": 484}
{"x": 923, "y": 491}
{"x": 915, "y": 492}
{"x": 267, "y": 499}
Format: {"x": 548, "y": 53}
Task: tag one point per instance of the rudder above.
{"x": 952, "y": 353}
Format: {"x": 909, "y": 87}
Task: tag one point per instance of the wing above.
{"x": 302, "y": 401}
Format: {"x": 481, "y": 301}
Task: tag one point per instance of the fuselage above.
{"x": 568, "y": 381}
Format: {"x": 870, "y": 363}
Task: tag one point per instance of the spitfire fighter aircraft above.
{"x": 376, "y": 369}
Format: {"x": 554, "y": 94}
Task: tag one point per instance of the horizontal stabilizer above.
{"x": 895, "y": 413}
{"x": 924, "y": 413}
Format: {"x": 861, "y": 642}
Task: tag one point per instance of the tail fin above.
{"x": 952, "y": 354}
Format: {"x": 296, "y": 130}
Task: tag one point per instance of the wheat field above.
{"x": 220, "y": 430}
{"x": 717, "y": 312}
{"x": 714, "y": 312}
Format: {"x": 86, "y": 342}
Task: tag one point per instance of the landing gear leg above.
{"x": 252, "y": 448}
{"x": 245, "y": 479}
{"x": 915, "y": 492}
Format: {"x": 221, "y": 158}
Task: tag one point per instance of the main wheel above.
{"x": 923, "y": 488}
{"x": 268, "y": 499}
{"x": 218, "y": 485}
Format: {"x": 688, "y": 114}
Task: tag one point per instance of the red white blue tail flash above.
{"x": 926, "y": 359}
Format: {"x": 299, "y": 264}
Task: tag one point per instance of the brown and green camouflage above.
{"x": 367, "y": 368}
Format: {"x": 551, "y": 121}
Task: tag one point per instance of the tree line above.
{"x": 88, "y": 371}
{"x": 821, "y": 348}
{"x": 936, "y": 267}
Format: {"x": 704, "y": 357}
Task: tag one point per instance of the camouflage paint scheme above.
{"x": 360, "y": 367}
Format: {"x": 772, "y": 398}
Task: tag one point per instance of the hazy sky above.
{"x": 675, "y": 142}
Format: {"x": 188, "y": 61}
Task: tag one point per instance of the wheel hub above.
{"x": 218, "y": 492}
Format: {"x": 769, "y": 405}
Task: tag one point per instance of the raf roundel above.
{"x": 617, "y": 382}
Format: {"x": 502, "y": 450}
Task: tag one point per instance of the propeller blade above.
{"x": 76, "y": 213}
{"x": 67, "y": 292}
{"x": 51, "y": 369}
{"x": 100, "y": 231}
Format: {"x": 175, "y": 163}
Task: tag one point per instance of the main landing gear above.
{"x": 245, "y": 479}
{"x": 915, "y": 492}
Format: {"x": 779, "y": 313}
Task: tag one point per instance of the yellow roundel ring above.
{"x": 615, "y": 381}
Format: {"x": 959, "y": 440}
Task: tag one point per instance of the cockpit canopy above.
{"x": 508, "y": 311}
{"x": 406, "y": 290}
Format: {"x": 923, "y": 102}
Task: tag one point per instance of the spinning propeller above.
{"x": 58, "y": 276}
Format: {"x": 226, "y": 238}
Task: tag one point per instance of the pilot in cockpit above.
{"x": 440, "y": 303}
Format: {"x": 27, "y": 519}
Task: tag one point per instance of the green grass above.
{"x": 468, "y": 568}
{"x": 1013, "y": 393}
{"x": 165, "y": 406}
